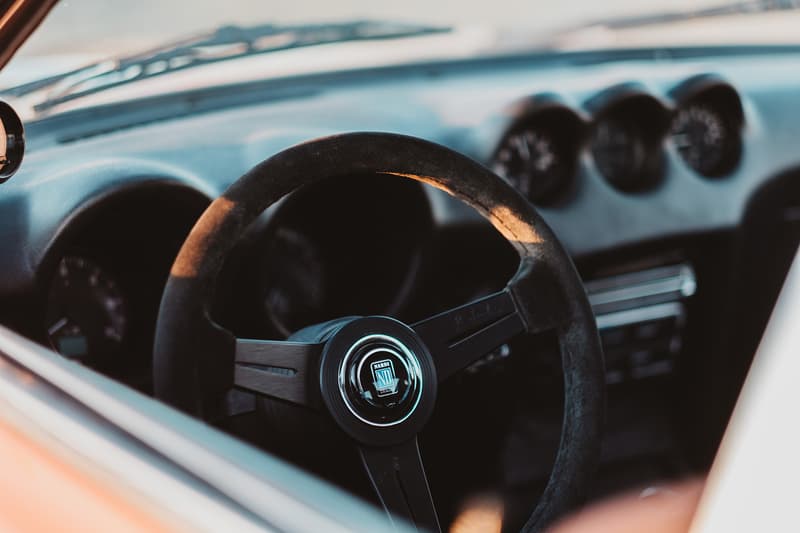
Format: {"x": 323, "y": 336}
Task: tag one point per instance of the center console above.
{"x": 641, "y": 318}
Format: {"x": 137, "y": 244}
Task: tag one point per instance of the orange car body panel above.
{"x": 42, "y": 491}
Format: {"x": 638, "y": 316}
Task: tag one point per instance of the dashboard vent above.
{"x": 641, "y": 317}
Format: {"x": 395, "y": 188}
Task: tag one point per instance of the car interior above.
{"x": 658, "y": 185}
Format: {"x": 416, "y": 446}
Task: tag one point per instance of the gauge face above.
{"x": 294, "y": 290}
{"x": 618, "y": 151}
{"x": 704, "y": 139}
{"x": 86, "y": 315}
{"x": 531, "y": 161}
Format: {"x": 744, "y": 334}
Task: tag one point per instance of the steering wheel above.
{"x": 375, "y": 376}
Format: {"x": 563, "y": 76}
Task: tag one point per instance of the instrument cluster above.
{"x": 103, "y": 281}
{"x": 350, "y": 245}
{"x": 625, "y": 135}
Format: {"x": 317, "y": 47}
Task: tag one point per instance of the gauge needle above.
{"x": 523, "y": 148}
{"x": 58, "y": 326}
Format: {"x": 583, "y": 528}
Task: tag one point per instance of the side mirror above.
{"x": 12, "y": 141}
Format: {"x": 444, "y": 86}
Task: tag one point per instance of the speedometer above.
{"x": 530, "y": 159}
{"x": 86, "y": 315}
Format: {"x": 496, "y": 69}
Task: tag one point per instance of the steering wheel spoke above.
{"x": 398, "y": 476}
{"x": 279, "y": 369}
{"x": 461, "y": 336}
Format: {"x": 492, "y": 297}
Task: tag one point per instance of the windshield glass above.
{"x": 182, "y": 34}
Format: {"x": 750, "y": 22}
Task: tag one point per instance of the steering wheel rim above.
{"x": 196, "y": 362}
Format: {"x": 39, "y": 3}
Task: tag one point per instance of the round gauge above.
{"x": 86, "y": 316}
{"x": 705, "y": 139}
{"x": 532, "y": 162}
{"x": 619, "y": 152}
{"x": 294, "y": 286}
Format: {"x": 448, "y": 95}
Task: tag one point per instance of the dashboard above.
{"x": 665, "y": 173}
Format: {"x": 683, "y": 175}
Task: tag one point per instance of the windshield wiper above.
{"x": 226, "y": 42}
{"x": 724, "y": 9}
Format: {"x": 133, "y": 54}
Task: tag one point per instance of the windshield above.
{"x": 150, "y": 37}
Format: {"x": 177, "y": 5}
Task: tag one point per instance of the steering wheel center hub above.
{"x": 380, "y": 380}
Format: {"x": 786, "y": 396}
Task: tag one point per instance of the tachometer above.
{"x": 86, "y": 315}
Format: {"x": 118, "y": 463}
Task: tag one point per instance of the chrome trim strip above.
{"x": 639, "y": 314}
{"x": 678, "y": 281}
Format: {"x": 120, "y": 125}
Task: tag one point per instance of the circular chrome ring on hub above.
{"x": 380, "y": 380}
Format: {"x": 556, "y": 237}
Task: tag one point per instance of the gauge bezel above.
{"x": 648, "y": 119}
{"x": 723, "y": 99}
{"x": 101, "y": 229}
{"x": 567, "y": 131}
{"x": 100, "y": 349}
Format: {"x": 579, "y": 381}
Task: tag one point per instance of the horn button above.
{"x": 378, "y": 380}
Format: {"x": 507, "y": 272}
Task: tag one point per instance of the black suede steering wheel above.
{"x": 375, "y": 376}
